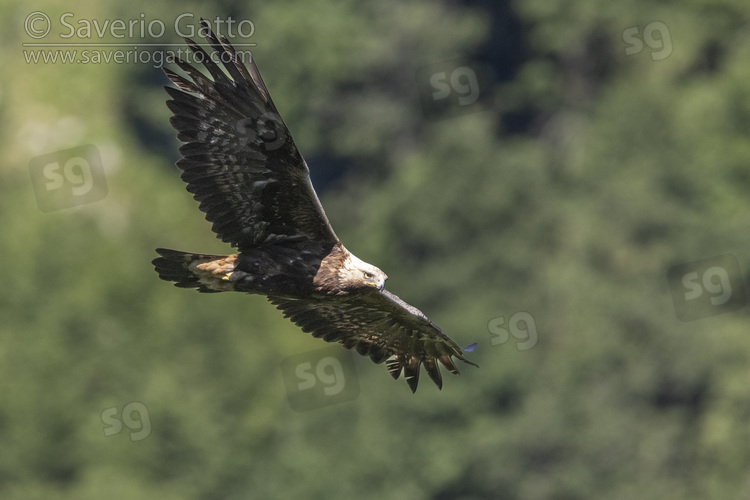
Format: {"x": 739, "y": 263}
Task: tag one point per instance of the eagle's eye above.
{"x": 368, "y": 276}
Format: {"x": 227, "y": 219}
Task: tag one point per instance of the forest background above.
{"x": 567, "y": 184}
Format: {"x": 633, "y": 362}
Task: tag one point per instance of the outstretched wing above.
{"x": 240, "y": 161}
{"x": 378, "y": 325}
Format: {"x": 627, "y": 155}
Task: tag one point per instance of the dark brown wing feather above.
{"x": 378, "y": 325}
{"x": 240, "y": 161}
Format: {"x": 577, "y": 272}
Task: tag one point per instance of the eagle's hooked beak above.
{"x": 376, "y": 280}
{"x": 381, "y": 282}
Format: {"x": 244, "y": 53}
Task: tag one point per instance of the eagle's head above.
{"x": 357, "y": 274}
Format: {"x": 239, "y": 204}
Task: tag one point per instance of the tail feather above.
{"x": 206, "y": 272}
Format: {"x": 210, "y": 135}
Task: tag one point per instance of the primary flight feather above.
{"x": 241, "y": 164}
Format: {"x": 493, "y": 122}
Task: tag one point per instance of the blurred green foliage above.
{"x": 598, "y": 167}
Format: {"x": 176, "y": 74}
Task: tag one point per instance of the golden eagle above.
{"x": 241, "y": 164}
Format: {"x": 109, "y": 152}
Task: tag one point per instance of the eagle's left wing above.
{"x": 240, "y": 161}
{"x": 379, "y": 325}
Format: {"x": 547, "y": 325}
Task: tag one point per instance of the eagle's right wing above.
{"x": 379, "y": 325}
{"x": 240, "y": 161}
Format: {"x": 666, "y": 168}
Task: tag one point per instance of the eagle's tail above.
{"x": 208, "y": 273}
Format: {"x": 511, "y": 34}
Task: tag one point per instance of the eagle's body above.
{"x": 242, "y": 165}
{"x": 295, "y": 270}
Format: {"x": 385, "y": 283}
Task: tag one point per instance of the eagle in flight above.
{"x": 241, "y": 164}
